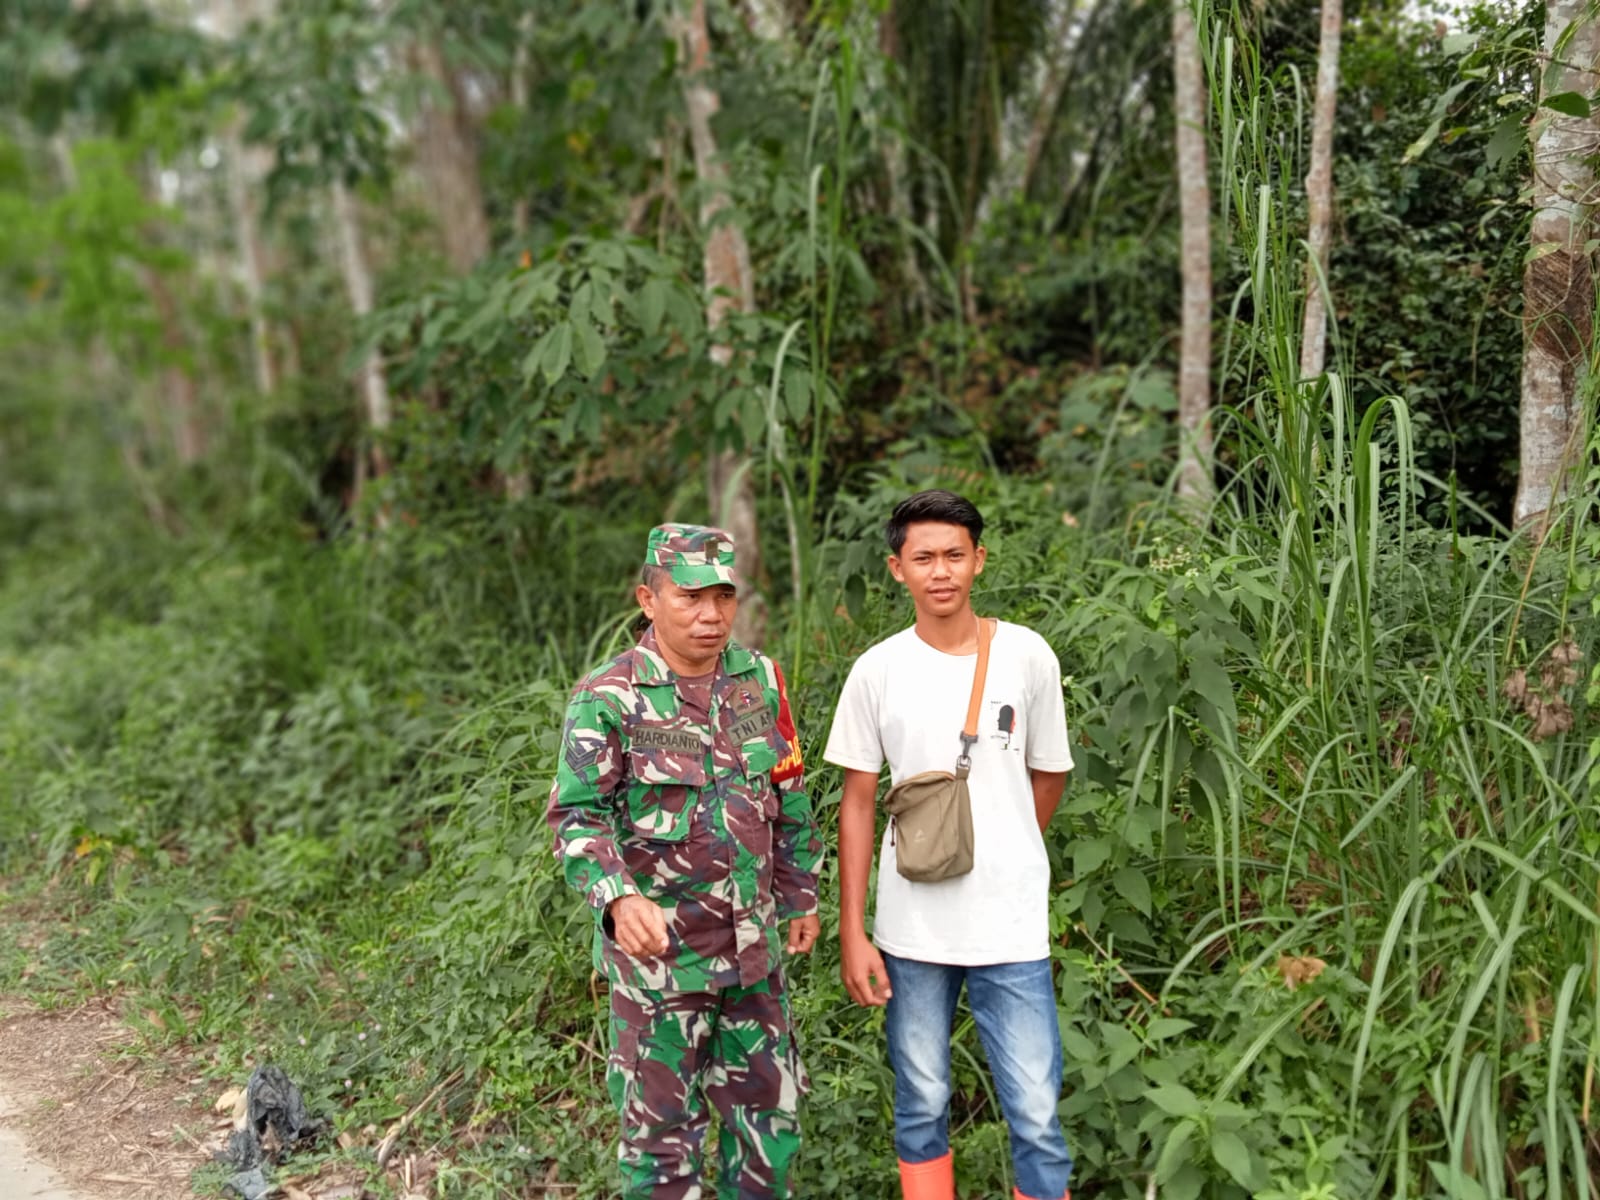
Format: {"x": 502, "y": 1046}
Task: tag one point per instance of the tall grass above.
{"x": 1380, "y": 779}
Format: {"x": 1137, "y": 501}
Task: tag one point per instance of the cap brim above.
{"x": 704, "y": 577}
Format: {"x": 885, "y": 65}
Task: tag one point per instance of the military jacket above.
{"x": 647, "y": 799}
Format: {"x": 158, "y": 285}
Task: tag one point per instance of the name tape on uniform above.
{"x": 675, "y": 741}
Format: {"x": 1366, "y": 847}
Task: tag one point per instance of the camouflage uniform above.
{"x": 694, "y": 801}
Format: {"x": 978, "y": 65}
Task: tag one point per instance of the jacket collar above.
{"x": 650, "y": 668}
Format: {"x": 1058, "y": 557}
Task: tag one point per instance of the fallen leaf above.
{"x": 1296, "y": 971}
{"x": 227, "y": 1102}
{"x": 1515, "y": 686}
{"x": 1555, "y": 717}
{"x": 1567, "y": 652}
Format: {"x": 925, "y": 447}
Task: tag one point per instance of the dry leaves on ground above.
{"x": 110, "y": 1127}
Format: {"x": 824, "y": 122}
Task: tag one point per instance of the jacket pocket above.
{"x": 661, "y": 805}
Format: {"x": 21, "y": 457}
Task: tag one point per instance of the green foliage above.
{"x": 61, "y": 62}
{"x": 1082, "y": 261}
{"x": 957, "y": 60}
{"x": 1324, "y": 919}
{"x": 305, "y": 80}
{"x": 1428, "y": 277}
{"x": 321, "y": 770}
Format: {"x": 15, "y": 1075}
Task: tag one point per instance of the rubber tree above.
{"x": 1319, "y": 193}
{"x": 446, "y": 147}
{"x": 247, "y": 166}
{"x": 80, "y": 78}
{"x": 730, "y": 288}
{"x": 1194, "y": 204}
{"x": 309, "y": 81}
{"x": 1558, "y": 285}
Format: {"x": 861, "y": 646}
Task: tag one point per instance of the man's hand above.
{"x": 803, "y": 934}
{"x": 638, "y": 925}
{"x": 861, "y": 967}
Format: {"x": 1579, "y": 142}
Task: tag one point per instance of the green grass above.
{"x": 299, "y": 817}
{"x": 284, "y": 786}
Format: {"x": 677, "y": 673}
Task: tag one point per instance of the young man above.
{"x": 679, "y": 814}
{"x": 906, "y": 702}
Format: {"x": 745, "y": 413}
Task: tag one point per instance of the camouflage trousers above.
{"x": 671, "y": 1052}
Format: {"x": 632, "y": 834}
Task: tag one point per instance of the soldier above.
{"x": 678, "y": 812}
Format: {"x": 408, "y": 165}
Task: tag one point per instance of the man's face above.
{"x": 937, "y": 564}
{"x": 692, "y": 624}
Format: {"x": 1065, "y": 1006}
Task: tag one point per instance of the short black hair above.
{"x": 934, "y": 505}
{"x": 653, "y": 577}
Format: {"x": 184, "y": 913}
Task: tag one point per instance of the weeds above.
{"x": 1325, "y": 920}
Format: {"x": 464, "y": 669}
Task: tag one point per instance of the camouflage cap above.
{"x": 697, "y": 556}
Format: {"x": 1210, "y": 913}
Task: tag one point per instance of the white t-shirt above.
{"x": 906, "y": 702}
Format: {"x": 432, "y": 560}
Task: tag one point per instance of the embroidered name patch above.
{"x": 674, "y": 741}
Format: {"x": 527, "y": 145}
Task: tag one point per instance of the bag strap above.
{"x": 969, "y": 732}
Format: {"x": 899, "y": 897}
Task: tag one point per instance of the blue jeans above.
{"x": 1014, "y": 1006}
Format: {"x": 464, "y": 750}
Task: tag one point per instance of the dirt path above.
{"x": 22, "y": 1175}
{"x": 82, "y": 1120}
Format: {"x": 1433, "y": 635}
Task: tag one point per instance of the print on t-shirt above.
{"x": 1002, "y": 718}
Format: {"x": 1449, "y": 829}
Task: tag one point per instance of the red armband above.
{"x": 792, "y": 765}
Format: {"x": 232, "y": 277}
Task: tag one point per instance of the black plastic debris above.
{"x": 277, "y": 1124}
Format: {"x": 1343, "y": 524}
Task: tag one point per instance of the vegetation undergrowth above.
{"x": 1326, "y": 917}
{"x": 1326, "y": 905}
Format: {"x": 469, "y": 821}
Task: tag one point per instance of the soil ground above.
{"x": 80, "y": 1119}
{"x": 84, "y": 1117}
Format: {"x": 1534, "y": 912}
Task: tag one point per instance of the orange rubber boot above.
{"x": 1016, "y": 1194}
{"x": 931, "y": 1180}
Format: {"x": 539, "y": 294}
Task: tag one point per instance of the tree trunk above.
{"x": 1058, "y": 58}
{"x": 519, "y": 101}
{"x": 917, "y": 302}
{"x": 1194, "y": 199}
{"x": 244, "y": 176}
{"x": 373, "y": 384}
{"x": 1319, "y": 192}
{"x": 247, "y": 167}
{"x": 447, "y": 155}
{"x": 730, "y": 287}
{"x": 181, "y": 411}
{"x": 1558, "y": 287}
{"x": 1077, "y": 32}
{"x": 183, "y": 416}
{"x": 517, "y": 483}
